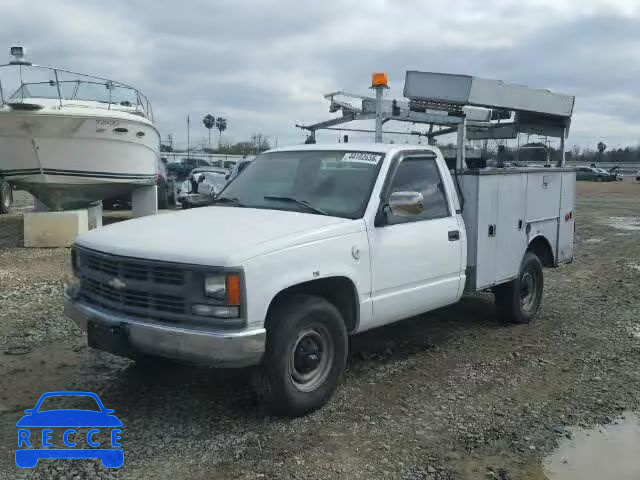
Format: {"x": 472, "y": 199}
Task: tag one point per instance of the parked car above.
{"x": 203, "y": 184}
{"x": 594, "y": 174}
{"x": 239, "y": 167}
{"x": 165, "y": 191}
{"x": 617, "y": 173}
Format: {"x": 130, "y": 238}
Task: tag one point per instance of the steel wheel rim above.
{"x": 311, "y": 358}
{"x": 528, "y": 290}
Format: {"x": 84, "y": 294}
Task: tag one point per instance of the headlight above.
{"x": 215, "y": 311}
{"x": 225, "y": 288}
{"x": 215, "y": 286}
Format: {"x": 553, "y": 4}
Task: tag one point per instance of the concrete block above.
{"x": 144, "y": 201}
{"x": 54, "y": 229}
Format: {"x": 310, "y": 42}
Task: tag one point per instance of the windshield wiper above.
{"x": 231, "y": 200}
{"x": 304, "y": 203}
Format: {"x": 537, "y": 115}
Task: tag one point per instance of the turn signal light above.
{"x": 233, "y": 289}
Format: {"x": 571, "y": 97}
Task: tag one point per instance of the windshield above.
{"x": 336, "y": 182}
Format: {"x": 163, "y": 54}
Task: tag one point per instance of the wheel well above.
{"x": 340, "y": 291}
{"x": 540, "y": 246}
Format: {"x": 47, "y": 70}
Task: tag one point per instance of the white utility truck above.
{"x": 313, "y": 243}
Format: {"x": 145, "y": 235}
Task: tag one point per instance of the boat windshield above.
{"x": 78, "y": 90}
{"x": 36, "y": 81}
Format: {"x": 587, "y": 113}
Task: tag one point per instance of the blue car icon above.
{"x": 71, "y": 419}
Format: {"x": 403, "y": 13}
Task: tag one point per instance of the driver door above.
{"x": 416, "y": 259}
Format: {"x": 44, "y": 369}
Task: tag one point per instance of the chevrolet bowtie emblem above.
{"x": 116, "y": 283}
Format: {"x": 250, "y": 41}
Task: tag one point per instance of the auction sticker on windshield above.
{"x": 361, "y": 157}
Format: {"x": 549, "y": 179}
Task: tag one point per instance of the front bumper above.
{"x": 214, "y": 348}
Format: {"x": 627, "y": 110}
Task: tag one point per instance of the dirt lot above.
{"x": 450, "y": 395}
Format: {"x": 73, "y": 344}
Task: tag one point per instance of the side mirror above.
{"x": 406, "y": 204}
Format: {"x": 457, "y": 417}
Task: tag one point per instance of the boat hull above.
{"x": 70, "y": 160}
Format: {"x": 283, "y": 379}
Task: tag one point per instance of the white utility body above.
{"x": 313, "y": 243}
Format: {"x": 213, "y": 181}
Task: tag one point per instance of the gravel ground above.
{"x": 453, "y": 394}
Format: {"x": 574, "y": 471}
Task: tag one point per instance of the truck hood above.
{"x": 215, "y": 236}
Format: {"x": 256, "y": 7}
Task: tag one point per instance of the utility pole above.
{"x": 379, "y": 82}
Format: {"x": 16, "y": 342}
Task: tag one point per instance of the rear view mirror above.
{"x": 406, "y": 204}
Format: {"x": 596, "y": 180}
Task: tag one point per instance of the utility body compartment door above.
{"x": 566, "y": 225}
{"x": 511, "y": 234}
{"x": 416, "y": 261}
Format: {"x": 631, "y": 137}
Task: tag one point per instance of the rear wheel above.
{"x": 305, "y": 355}
{"x": 6, "y": 197}
{"x": 519, "y": 300}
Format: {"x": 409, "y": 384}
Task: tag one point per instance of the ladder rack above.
{"x": 474, "y": 108}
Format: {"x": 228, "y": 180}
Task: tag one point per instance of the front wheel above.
{"x": 519, "y": 300}
{"x": 305, "y": 355}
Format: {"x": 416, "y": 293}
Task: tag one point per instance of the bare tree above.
{"x": 260, "y": 143}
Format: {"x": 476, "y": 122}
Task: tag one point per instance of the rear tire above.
{"x": 305, "y": 355}
{"x": 6, "y": 197}
{"x": 519, "y": 300}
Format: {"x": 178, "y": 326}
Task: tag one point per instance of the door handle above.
{"x": 454, "y": 235}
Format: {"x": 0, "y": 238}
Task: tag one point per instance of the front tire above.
{"x": 305, "y": 355}
{"x": 519, "y": 300}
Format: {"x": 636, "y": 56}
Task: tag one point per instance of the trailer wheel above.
{"x": 163, "y": 199}
{"x": 519, "y": 300}
{"x": 6, "y": 197}
{"x": 305, "y": 355}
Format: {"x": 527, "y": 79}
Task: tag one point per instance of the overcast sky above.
{"x": 265, "y": 64}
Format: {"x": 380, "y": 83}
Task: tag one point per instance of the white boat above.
{"x": 72, "y": 139}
